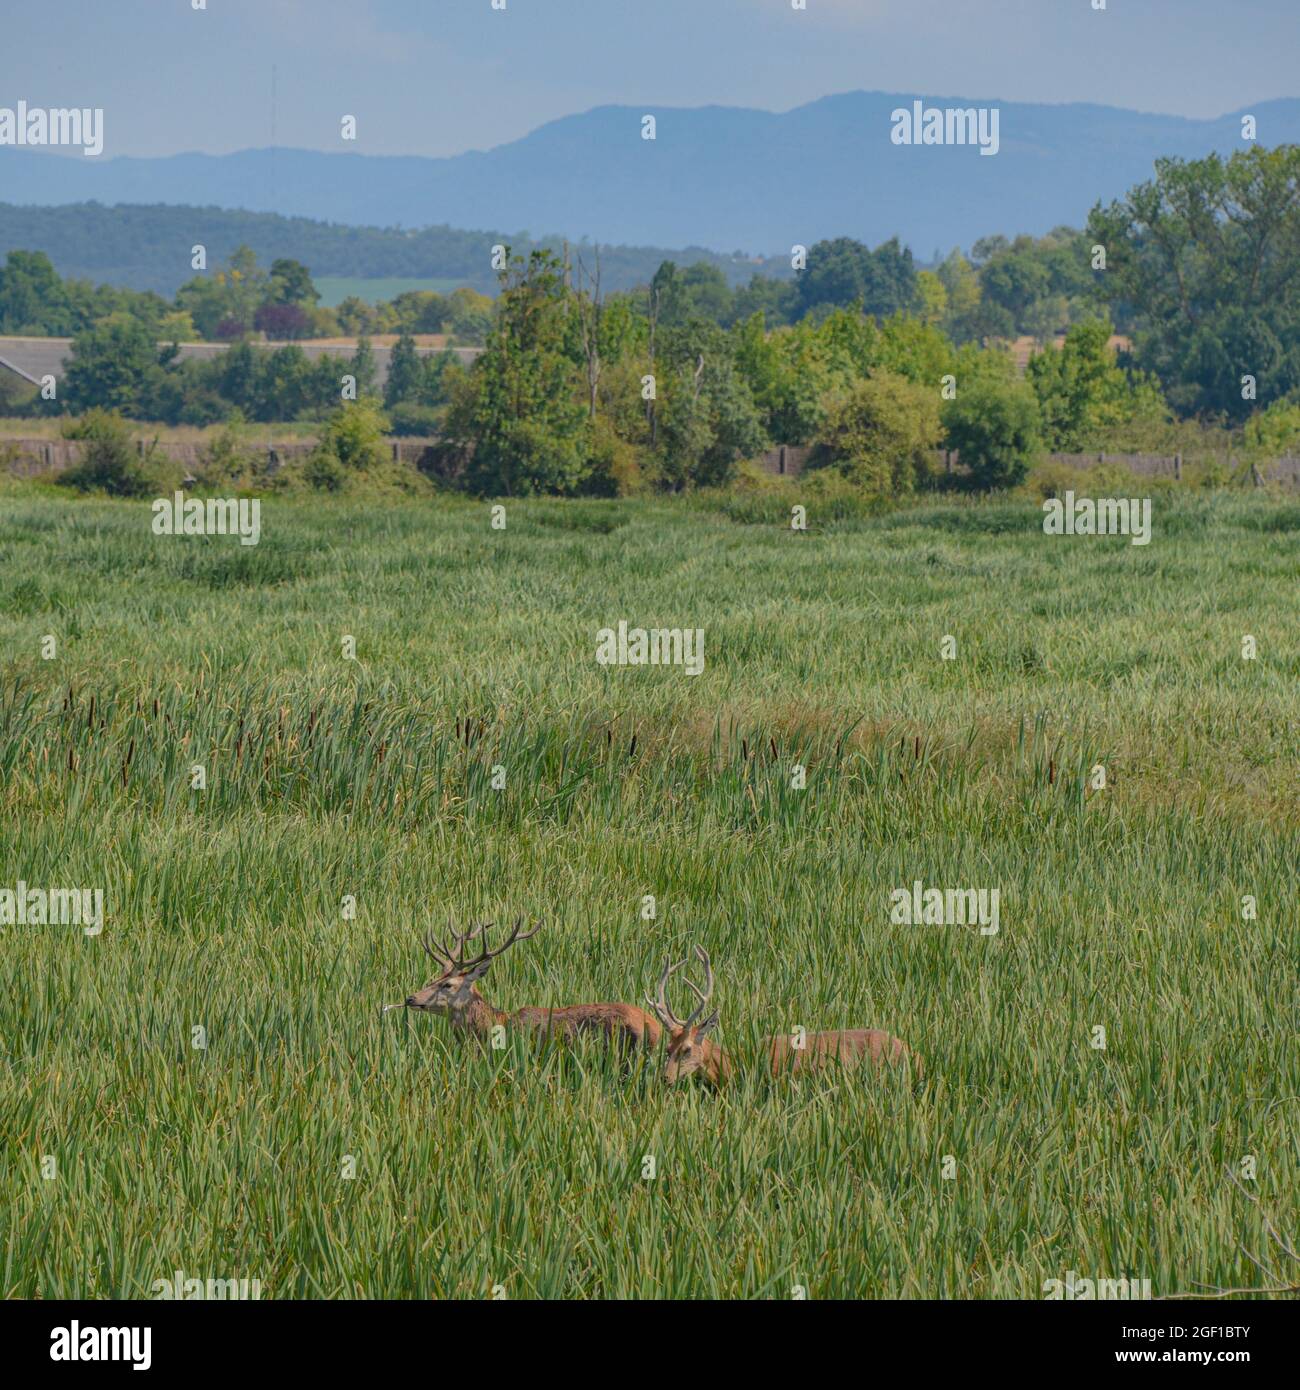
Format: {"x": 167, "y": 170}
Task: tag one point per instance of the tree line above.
{"x": 867, "y": 359}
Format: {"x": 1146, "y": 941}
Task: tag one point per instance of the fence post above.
{"x": 780, "y": 464}
{"x": 1178, "y": 467}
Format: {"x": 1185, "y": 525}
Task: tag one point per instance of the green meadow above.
{"x": 208, "y": 1084}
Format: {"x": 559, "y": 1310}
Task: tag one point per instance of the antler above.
{"x": 660, "y": 1005}
{"x": 707, "y": 993}
{"x": 451, "y": 960}
{"x": 455, "y": 959}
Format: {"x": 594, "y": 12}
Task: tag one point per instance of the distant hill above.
{"x": 715, "y": 176}
{"x": 148, "y": 248}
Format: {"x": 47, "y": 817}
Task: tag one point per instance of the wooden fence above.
{"x": 790, "y": 460}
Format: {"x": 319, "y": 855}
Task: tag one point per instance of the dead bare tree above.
{"x": 653, "y": 296}
{"x": 591, "y": 309}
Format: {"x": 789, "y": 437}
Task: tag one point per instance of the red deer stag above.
{"x": 690, "y": 1051}
{"x": 453, "y": 993}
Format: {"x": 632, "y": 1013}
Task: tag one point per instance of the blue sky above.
{"x": 438, "y": 77}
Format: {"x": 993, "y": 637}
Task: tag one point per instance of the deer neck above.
{"x": 478, "y": 1017}
{"x": 717, "y": 1065}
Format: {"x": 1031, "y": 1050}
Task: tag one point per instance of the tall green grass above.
{"x": 524, "y": 1172}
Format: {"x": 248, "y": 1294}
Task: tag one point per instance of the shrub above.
{"x": 353, "y": 436}
{"x": 110, "y": 462}
{"x": 881, "y": 434}
{"x": 227, "y": 460}
{"x": 994, "y": 426}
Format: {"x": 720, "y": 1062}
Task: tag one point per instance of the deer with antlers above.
{"x": 691, "y": 1052}
{"x": 454, "y": 993}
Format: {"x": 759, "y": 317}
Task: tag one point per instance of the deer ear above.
{"x": 475, "y": 975}
{"x": 708, "y": 1025}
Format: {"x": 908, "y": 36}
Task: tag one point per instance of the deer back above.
{"x": 848, "y": 1047}
{"x": 622, "y": 1025}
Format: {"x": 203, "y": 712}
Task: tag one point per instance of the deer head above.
{"x": 688, "y": 1048}
{"x": 452, "y": 990}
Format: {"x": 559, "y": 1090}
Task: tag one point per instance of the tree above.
{"x": 32, "y": 297}
{"x": 523, "y": 423}
{"x": 1207, "y": 258}
{"x": 844, "y": 272}
{"x": 469, "y": 316}
{"x": 1081, "y": 389}
{"x": 882, "y": 433}
{"x": 707, "y": 419}
{"x": 994, "y": 426}
{"x": 962, "y": 284}
{"x": 291, "y": 283}
{"x": 111, "y": 364}
{"x": 406, "y": 376}
{"x": 362, "y": 368}
{"x": 282, "y": 322}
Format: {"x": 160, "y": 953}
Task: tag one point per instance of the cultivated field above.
{"x": 1026, "y": 1153}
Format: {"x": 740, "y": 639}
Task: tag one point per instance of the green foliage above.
{"x": 1275, "y": 431}
{"x": 353, "y": 436}
{"x": 110, "y": 462}
{"x": 844, "y": 272}
{"x": 114, "y": 366}
{"x": 35, "y": 302}
{"x": 522, "y": 421}
{"x": 708, "y": 420}
{"x": 290, "y": 283}
{"x": 1081, "y": 389}
{"x": 1206, "y": 257}
{"x": 994, "y": 426}
{"x": 881, "y": 434}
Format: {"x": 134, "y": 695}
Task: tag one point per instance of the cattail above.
{"x": 1051, "y": 772}
{"x": 917, "y": 747}
{"x": 744, "y": 749}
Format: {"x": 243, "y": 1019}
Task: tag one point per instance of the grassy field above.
{"x": 325, "y": 1151}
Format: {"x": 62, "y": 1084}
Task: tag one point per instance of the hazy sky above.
{"x": 441, "y": 76}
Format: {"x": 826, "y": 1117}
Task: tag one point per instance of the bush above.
{"x": 994, "y": 426}
{"x": 228, "y": 460}
{"x": 881, "y": 434}
{"x": 615, "y": 465}
{"x": 110, "y": 462}
{"x": 353, "y": 438}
